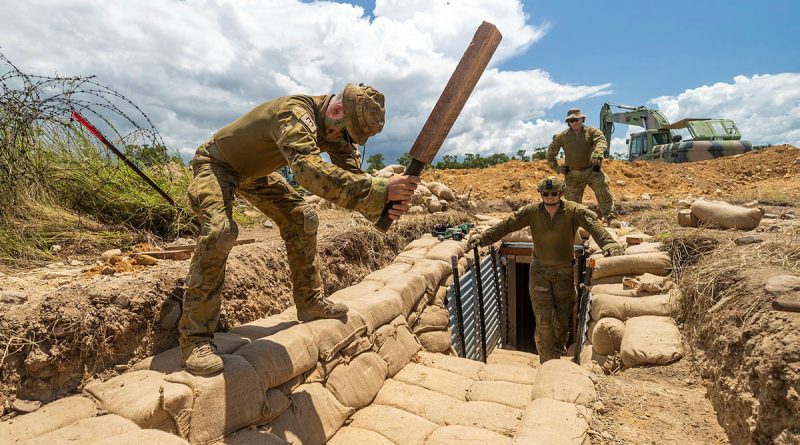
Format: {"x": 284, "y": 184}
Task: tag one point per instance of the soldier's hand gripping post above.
{"x": 449, "y": 106}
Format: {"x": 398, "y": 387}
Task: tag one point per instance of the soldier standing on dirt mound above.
{"x": 584, "y": 148}
{"x": 245, "y": 157}
{"x": 553, "y": 224}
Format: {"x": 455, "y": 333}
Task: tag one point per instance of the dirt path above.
{"x": 655, "y": 405}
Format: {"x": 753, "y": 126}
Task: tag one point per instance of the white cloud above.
{"x": 766, "y": 108}
{"x": 195, "y": 65}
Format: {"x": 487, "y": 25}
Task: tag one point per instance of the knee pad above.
{"x": 307, "y": 218}
{"x": 224, "y": 232}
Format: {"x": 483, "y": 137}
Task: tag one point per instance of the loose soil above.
{"x": 742, "y": 362}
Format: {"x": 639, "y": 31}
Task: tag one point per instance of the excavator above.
{"x": 710, "y": 138}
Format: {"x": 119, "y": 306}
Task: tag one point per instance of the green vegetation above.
{"x": 472, "y": 160}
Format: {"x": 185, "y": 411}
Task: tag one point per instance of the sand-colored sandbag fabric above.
{"x": 472, "y": 435}
{"x": 251, "y": 436}
{"x": 624, "y": 308}
{"x": 614, "y": 279}
{"x": 396, "y": 345}
{"x": 399, "y": 426}
{"x": 426, "y": 241}
{"x": 358, "y": 436}
{"x": 564, "y": 381}
{"x": 465, "y": 368}
{"x": 553, "y": 422}
{"x": 261, "y": 328}
{"x": 332, "y": 335}
{"x": 648, "y": 284}
{"x": 48, "y": 418}
{"x": 614, "y": 289}
{"x": 432, "y": 318}
{"x": 442, "y": 191}
{"x": 588, "y": 356}
{"x": 377, "y": 308}
{"x": 515, "y": 395}
{"x": 725, "y": 215}
{"x": 314, "y": 417}
{"x": 444, "y": 382}
{"x": 135, "y": 396}
{"x": 432, "y": 203}
{"x": 643, "y": 248}
{"x": 411, "y": 287}
{"x": 433, "y": 271}
{"x": 277, "y": 403}
{"x": 220, "y": 404}
{"x": 389, "y": 273}
{"x": 354, "y": 383}
{"x": 512, "y": 359}
{"x": 281, "y": 356}
{"x": 509, "y": 373}
{"x": 447, "y": 249}
{"x": 656, "y": 263}
{"x": 607, "y": 335}
{"x": 417, "y": 400}
{"x": 170, "y": 360}
{"x": 143, "y": 437}
{"x": 687, "y": 219}
{"x": 651, "y": 341}
{"x": 85, "y": 431}
{"x": 436, "y": 341}
{"x": 495, "y": 417}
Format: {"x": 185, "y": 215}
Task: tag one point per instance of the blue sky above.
{"x": 195, "y": 65}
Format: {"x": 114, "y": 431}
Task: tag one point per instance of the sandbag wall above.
{"x": 718, "y": 214}
{"x": 299, "y": 380}
{"x": 633, "y": 304}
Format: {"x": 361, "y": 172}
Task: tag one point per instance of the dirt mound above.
{"x": 770, "y": 174}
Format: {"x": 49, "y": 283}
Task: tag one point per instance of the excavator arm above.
{"x": 640, "y": 116}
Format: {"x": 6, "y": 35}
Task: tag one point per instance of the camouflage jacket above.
{"x": 554, "y": 237}
{"x": 289, "y": 131}
{"x": 579, "y": 148}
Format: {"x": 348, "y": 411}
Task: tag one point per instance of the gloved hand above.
{"x": 596, "y": 163}
{"x": 473, "y": 242}
{"x": 613, "y": 249}
{"x": 565, "y": 170}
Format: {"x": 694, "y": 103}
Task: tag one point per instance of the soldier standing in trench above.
{"x": 584, "y": 149}
{"x": 245, "y": 157}
{"x": 553, "y": 224}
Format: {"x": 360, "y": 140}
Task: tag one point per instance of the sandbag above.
{"x": 657, "y": 263}
{"x": 426, "y": 241}
{"x": 495, "y": 417}
{"x": 135, "y": 396}
{"x": 219, "y": 404}
{"x": 643, "y": 248}
{"x": 442, "y": 191}
{"x": 314, "y": 418}
{"x": 389, "y": 273}
{"x": 432, "y": 318}
{"x": 263, "y": 327}
{"x": 251, "y": 436}
{"x": 170, "y": 360}
{"x": 436, "y": 341}
{"x": 143, "y": 437}
{"x": 509, "y": 373}
{"x": 614, "y": 279}
{"x": 553, "y": 422}
{"x": 511, "y": 360}
{"x": 648, "y": 284}
{"x": 358, "y": 436}
{"x": 514, "y": 395}
{"x": 444, "y": 382}
{"x": 472, "y": 435}
{"x": 48, "y": 418}
{"x": 607, "y": 335}
{"x": 726, "y": 216}
{"x": 623, "y": 308}
{"x": 614, "y": 289}
{"x": 565, "y": 381}
{"x": 433, "y": 271}
{"x": 396, "y": 345}
{"x": 651, "y": 341}
{"x": 431, "y": 405}
{"x": 277, "y": 403}
{"x": 355, "y": 383}
{"x": 283, "y": 355}
{"x": 378, "y": 308}
{"x": 464, "y": 367}
{"x": 85, "y": 431}
{"x": 589, "y": 356}
{"x": 447, "y": 249}
{"x": 331, "y": 335}
{"x": 401, "y": 427}
{"x": 687, "y": 219}
{"x": 432, "y": 204}
{"x": 411, "y": 288}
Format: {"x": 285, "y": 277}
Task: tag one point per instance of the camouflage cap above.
{"x": 574, "y": 113}
{"x": 363, "y": 111}
{"x": 551, "y": 183}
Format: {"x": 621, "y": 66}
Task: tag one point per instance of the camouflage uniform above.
{"x": 552, "y": 285}
{"x": 244, "y": 158}
{"x": 579, "y": 150}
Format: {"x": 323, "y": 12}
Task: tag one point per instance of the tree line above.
{"x": 377, "y": 161}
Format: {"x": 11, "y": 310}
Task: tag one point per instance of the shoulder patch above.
{"x": 306, "y": 118}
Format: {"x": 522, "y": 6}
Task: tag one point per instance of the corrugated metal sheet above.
{"x": 493, "y": 307}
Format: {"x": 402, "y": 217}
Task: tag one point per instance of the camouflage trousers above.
{"x": 577, "y": 180}
{"x": 553, "y": 294}
{"x": 211, "y": 195}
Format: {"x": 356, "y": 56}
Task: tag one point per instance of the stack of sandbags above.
{"x": 651, "y": 340}
{"x": 720, "y": 214}
{"x": 614, "y": 269}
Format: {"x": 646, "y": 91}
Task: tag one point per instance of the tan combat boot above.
{"x": 322, "y": 308}
{"x": 201, "y": 359}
